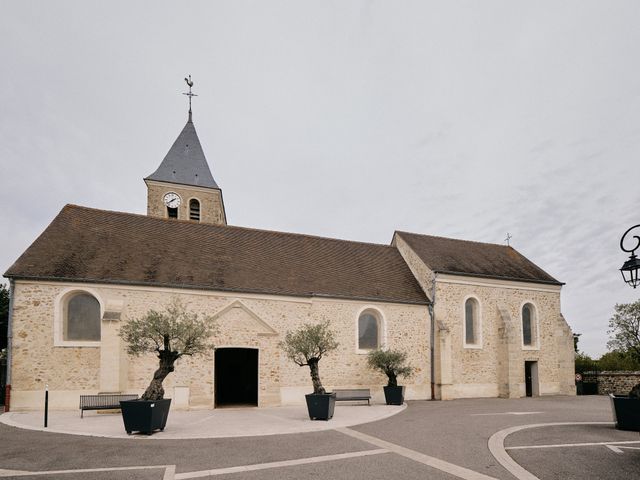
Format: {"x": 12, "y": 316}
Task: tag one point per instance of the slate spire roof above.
{"x": 185, "y": 162}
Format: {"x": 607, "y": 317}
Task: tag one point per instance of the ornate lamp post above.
{"x": 631, "y": 268}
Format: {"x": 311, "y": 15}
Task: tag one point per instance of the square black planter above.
{"x": 321, "y": 405}
{"x": 145, "y": 416}
{"x": 626, "y": 412}
{"x": 394, "y": 395}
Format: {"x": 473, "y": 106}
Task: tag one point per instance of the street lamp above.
{"x": 631, "y": 267}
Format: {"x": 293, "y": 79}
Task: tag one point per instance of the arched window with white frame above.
{"x": 369, "y": 330}
{"x": 194, "y": 209}
{"x": 472, "y": 326}
{"x": 81, "y": 318}
{"x": 529, "y": 325}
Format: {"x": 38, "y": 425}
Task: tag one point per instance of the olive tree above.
{"x": 307, "y": 345}
{"x": 170, "y": 334}
{"x": 393, "y": 363}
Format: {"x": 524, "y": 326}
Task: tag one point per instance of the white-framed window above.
{"x": 529, "y": 322}
{"x": 472, "y": 324}
{"x": 370, "y": 329}
{"x": 77, "y": 319}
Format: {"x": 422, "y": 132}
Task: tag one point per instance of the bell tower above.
{"x": 183, "y": 187}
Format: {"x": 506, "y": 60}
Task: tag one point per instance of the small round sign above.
{"x": 578, "y": 377}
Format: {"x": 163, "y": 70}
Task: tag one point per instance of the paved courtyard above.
{"x": 545, "y": 438}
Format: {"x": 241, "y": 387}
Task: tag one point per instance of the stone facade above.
{"x": 243, "y": 320}
{"x": 211, "y": 205}
{"x": 495, "y": 367}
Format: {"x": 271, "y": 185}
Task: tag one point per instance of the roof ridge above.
{"x": 455, "y": 239}
{"x": 237, "y": 227}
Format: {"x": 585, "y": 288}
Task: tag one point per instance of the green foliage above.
{"x": 4, "y": 315}
{"x": 624, "y": 329}
{"x": 173, "y": 330}
{"x": 309, "y": 343}
{"x": 584, "y": 363}
{"x": 393, "y": 363}
{"x": 618, "y": 361}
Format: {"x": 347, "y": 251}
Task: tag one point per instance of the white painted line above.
{"x": 615, "y": 449}
{"x": 24, "y": 473}
{"x": 285, "y": 463}
{"x": 433, "y": 462}
{"x": 560, "y": 445}
{"x": 504, "y": 413}
{"x": 169, "y": 473}
{"x": 496, "y": 447}
{"x": 630, "y": 448}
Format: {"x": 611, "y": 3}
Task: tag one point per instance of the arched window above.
{"x": 82, "y": 318}
{"x": 194, "y": 210}
{"x": 472, "y": 328}
{"x": 368, "y": 331}
{"x": 529, "y": 333}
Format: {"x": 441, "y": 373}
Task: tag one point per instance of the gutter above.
{"x": 432, "y": 312}
{"x": 7, "y": 400}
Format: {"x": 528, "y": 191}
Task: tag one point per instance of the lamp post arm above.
{"x": 637, "y": 237}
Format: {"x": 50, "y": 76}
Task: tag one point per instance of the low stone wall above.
{"x": 618, "y": 383}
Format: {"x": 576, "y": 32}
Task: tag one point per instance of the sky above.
{"x": 347, "y": 119}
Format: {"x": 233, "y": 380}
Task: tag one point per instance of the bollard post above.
{"x": 46, "y": 405}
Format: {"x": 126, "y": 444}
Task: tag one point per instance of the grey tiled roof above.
{"x": 89, "y": 245}
{"x": 463, "y": 257}
{"x": 185, "y": 163}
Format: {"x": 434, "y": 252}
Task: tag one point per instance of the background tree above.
{"x": 624, "y": 329}
{"x": 171, "y": 334}
{"x": 4, "y": 315}
{"x": 618, "y": 361}
{"x": 307, "y": 345}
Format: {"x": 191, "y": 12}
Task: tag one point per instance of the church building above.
{"x": 476, "y": 319}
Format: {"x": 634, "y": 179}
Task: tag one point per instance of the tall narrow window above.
{"x": 368, "y": 331}
{"x": 194, "y": 210}
{"x": 82, "y": 318}
{"x": 528, "y": 325}
{"x": 470, "y": 321}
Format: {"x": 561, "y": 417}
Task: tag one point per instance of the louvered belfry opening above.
{"x": 194, "y": 210}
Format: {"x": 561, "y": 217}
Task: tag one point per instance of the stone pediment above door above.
{"x": 238, "y": 317}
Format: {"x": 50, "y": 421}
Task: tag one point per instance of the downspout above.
{"x": 7, "y": 396}
{"x": 432, "y": 312}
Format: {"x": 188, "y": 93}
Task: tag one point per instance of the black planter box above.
{"x": 321, "y": 405}
{"x": 145, "y": 416}
{"x": 626, "y": 412}
{"x": 394, "y": 395}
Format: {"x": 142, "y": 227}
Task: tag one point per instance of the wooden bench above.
{"x": 103, "y": 401}
{"x": 353, "y": 394}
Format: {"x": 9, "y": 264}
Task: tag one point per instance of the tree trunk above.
{"x": 155, "y": 391}
{"x": 393, "y": 379}
{"x": 315, "y": 376}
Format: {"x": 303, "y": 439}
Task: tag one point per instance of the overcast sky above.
{"x": 347, "y": 119}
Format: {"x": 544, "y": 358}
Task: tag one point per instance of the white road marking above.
{"x": 24, "y": 473}
{"x": 285, "y": 463}
{"x": 504, "y": 413}
{"x": 433, "y": 462}
{"x": 496, "y": 447}
{"x": 561, "y": 445}
{"x": 615, "y": 449}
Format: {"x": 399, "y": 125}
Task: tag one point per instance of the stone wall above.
{"x": 250, "y": 321}
{"x": 618, "y": 383}
{"x": 211, "y": 206}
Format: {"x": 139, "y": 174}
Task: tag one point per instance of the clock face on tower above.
{"x": 172, "y": 200}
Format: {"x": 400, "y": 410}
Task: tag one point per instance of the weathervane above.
{"x": 509, "y": 237}
{"x": 190, "y": 83}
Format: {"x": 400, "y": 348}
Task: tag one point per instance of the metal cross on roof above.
{"x": 509, "y": 237}
{"x": 190, "y": 83}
